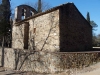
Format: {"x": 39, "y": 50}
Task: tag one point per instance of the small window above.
{"x": 34, "y": 31}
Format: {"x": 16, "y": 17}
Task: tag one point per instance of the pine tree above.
{"x": 5, "y": 27}
{"x": 5, "y": 20}
{"x": 88, "y": 17}
{"x": 39, "y": 6}
{"x": 91, "y": 22}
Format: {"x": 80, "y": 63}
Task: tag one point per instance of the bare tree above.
{"x": 43, "y": 5}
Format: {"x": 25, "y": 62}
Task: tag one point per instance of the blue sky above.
{"x": 84, "y": 6}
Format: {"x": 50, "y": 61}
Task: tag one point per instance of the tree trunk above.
{"x": 3, "y": 41}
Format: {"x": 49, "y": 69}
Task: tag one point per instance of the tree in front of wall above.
{"x": 5, "y": 26}
{"x": 94, "y": 25}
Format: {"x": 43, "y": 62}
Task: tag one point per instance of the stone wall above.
{"x": 44, "y": 30}
{"x": 43, "y": 33}
{"x": 48, "y": 62}
{"x": 18, "y": 36}
{"x": 9, "y": 58}
{"x": 75, "y": 31}
{"x": 78, "y": 59}
{"x": 41, "y": 62}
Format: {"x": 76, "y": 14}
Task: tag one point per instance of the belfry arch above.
{"x": 23, "y": 11}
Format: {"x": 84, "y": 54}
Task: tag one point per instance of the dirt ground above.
{"x": 5, "y": 71}
{"x": 92, "y": 70}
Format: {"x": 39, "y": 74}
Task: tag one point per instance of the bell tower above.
{"x": 23, "y": 11}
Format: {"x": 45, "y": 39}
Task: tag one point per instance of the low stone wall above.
{"x": 46, "y": 62}
{"x": 78, "y": 59}
{"x": 41, "y": 62}
{"x": 9, "y": 58}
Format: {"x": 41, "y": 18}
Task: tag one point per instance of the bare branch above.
{"x": 44, "y": 5}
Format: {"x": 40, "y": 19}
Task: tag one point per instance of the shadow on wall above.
{"x": 75, "y": 31}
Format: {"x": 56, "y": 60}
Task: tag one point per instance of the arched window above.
{"x": 24, "y": 11}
